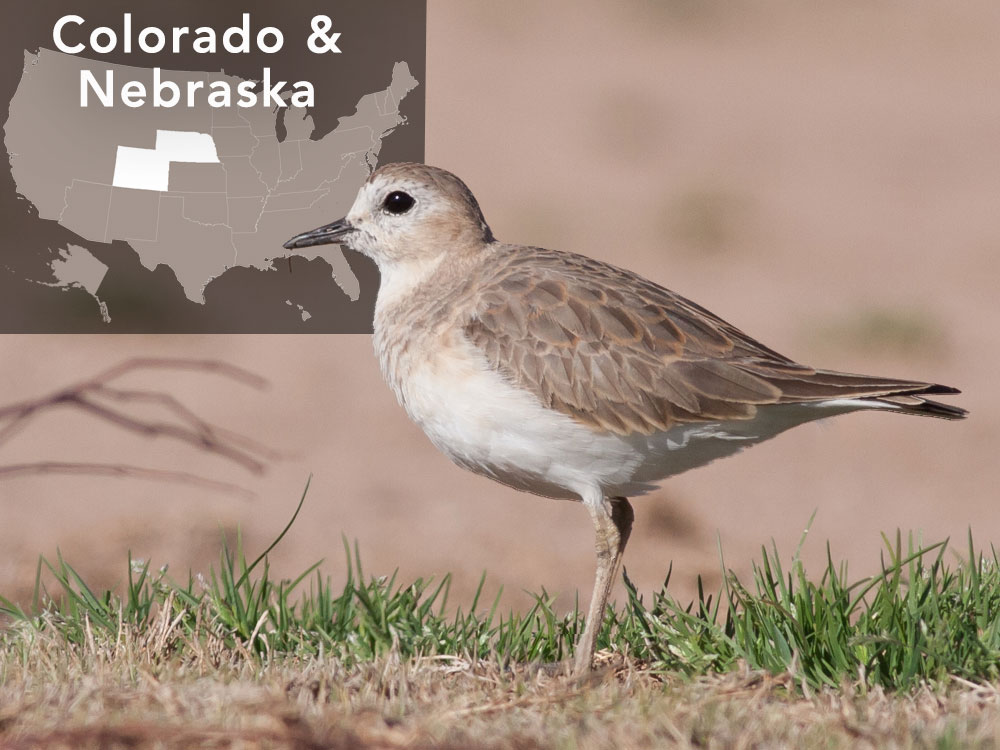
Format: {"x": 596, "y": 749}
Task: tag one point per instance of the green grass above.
{"x": 917, "y": 621}
{"x": 920, "y": 621}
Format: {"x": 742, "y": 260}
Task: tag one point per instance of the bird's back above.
{"x": 621, "y": 353}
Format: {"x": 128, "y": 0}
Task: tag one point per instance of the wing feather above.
{"x": 620, "y": 353}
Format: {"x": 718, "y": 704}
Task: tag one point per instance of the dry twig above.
{"x": 99, "y": 396}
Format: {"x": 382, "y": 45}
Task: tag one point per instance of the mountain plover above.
{"x": 564, "y": 376}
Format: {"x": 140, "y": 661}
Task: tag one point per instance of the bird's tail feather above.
{"x": 925, "y": 407}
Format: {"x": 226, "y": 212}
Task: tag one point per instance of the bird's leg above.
{"x": 612, "y": 519}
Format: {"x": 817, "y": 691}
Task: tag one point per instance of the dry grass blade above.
{"x": 390, "y": 703}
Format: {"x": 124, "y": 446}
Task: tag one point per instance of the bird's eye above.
{"x": 398, "y": 202}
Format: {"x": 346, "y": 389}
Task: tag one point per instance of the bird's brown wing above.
{"x": 620, "y": 353}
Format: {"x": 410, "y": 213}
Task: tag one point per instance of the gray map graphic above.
{"x": 231, "y": 208}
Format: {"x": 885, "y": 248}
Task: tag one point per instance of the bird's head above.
{"x": 407, "y": 213}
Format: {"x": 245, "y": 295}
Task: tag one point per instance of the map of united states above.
{"x": 197, "y": 189}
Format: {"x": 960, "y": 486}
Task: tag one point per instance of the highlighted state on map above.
{"x": 141, "y": 169}
{"x": 149, "y": 169}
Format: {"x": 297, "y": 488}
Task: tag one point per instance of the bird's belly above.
{"x": 485, "y": 424}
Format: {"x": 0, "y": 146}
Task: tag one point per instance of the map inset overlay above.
{"x": 200, "y": 189}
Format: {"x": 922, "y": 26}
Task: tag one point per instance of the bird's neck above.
{"x": 418, "y": 302}
{"x": 401, "y": 280}
{"x": 427, "y": 280}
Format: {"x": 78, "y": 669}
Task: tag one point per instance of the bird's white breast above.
{"x": 486, "y": 424}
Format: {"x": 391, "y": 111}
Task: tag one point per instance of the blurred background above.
{"x": 826, "y": 177}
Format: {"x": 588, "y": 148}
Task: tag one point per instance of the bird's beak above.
{"x": 324, "y": 235}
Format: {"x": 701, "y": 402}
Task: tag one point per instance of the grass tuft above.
{"x": 918, "y": 622}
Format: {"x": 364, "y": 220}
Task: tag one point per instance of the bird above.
{"x": 565, "y": 376}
